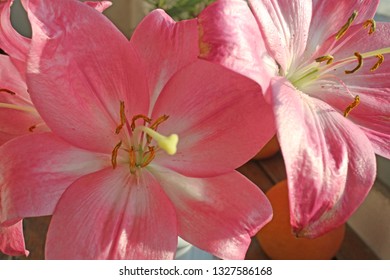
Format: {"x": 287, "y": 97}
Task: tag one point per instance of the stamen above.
{"x": 132, "y": 158}
{"x": 114, "y": 154}
{"x": 160, "y": 120}
{"x": 28, "y": 109}
{"x": 370, "y": 23}
{"x": 360, "y": 64}
{"x": 154, "y": 126}
{"x": 7, "y": 91}
{"x": 167, "y": 143}
{"x": 328, "y": 58}
{"x": 123, "y": 117}
{"x": 151, "y": 154}
{"x": 381, "y": 58}
{"x": 137, "y": 117}
{"x": 345, "y": 27}
{"x": 351, "y": 106}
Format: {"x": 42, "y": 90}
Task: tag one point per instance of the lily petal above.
{"x": 199, "y": 101}
{"x": 284, "y": 32}
{"x": 99, "y": 5}
{"x": 12, "y": 240}
{"x": 17, "y": 114}
{"x": 35, "y": 170}
{"x": 210, "y": 217}
{"x": 14, "y": 44}
{"x": 164, "y": 46}
{"x": 373, "y": 112}
{"x": 109, "y": 215}
{"x": 331, "y": 15}
{"x": 73, "y": 85}
{"x": 230, "y": 36}
{"x": 330, "y": 163}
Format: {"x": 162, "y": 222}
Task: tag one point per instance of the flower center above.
{"x": 323, "y": 66}
{"x": 141, "y": 143}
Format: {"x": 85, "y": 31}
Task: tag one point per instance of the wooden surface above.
{"x": 264, "y": 173}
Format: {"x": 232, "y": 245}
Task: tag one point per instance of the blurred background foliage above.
{"x": 180, "y": 9}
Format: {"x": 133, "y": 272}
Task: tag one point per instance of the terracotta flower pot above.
{"x": 278, "y": 242}
{"x": 270, "y": 149}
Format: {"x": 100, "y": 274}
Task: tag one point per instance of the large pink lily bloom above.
{"x": 328, "y": 87}
{"x": 116, "y": 186}
{"x": 18, "y": 115}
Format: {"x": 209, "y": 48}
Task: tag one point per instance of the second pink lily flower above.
{"x": 324, "y": 65}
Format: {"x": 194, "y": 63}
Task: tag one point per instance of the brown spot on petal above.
{"x": 204, "y": 48}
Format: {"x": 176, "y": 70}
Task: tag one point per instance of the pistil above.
{"x": 167, "y": 143}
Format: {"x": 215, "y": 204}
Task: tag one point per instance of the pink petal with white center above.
{"x": 373, "y": 87}
{"x": 112, "y": 215}
{"x": 329, "y": 16}
{"x": 285, "y": 28}
{"x": 164, "y": 47}
{"x": 230, "y": 36}
{"x": 17, "y": 114}
{"x": 330, "y": 163}
{"x": 77, "y": 87}
{"x": 36, "y": 169}
{"x": 14, "y": 44}
{"x": 217, "y": 214}
{"x": 217, "y": 114}
{"x": 12, "y": 240}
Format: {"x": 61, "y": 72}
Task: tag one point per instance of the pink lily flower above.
{"x": 18, "y": 115}
{"x": 328, "y": 87}
{"x": 142, "y": 131}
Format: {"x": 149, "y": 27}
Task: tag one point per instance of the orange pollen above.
{"x": 123, "y": 117}
{"x": 328, "y": 58}
{"x": 360, "y": 64}
{"x": 351, "y": 106}
{"x": 114, "y": 154}
{"x": 150, "y": 156}
{"x": 137, "y": 117}
{"x": 370, "y": 23}
{"x": 381, "y": 58}
{"x": 154, "y": 126}
{"x": 346, "y": 26}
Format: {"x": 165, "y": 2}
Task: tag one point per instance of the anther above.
{"x": 328, "y": 58}
{"x": 114, "y": 154}
{"x": 122, "y": 116}
{"x": 370, "y": 23}
{"x": 351, "y": 106}
{"x": 150, "y": 157}
{"x": 345, "y": 27}
{"x": 137, "y": 117}
{"x": 381, "y": 58}
{"x": 7, "y": 91}
{"x": 155, "y": 124}
{"x": 360, "y": 64}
